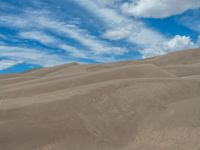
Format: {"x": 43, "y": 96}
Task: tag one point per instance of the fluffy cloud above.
{"x": 158, "y": 8}
{"x": 181, "y": 42}
{"x": 175, "y": 44}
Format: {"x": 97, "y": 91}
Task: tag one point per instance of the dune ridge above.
{"x": 151, "y": 104}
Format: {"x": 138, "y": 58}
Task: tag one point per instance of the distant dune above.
{"x": 152, "y": 104}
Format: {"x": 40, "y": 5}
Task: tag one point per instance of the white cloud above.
{"x": 74, "y": 51}
{"x": 14, "y": 21}
{"x": 147, "y": 38}
{"x": 121, "y": 25}
{"x": 117, "y": 33}
{"x": 38, "y": 36}
{"x": 95, "y": 45}
{"x": 149, "y": 42}
{"x": 118, "y": 26}
{"x": 33, "y": 22}
{"x": 158, "y": 8}
{"x": 5, "y": 64}
{"x": 85, "y": 54}
{"x": 44, "y": 20}
{"x": 180, "y": 43}
{"x": 106, "y": 14}
{"x": 29, "y": 55}
{"x": 175, "y": 44}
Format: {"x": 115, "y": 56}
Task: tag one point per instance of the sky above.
{"x": 46, "y": 33}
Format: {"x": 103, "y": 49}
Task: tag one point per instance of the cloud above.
{"x": 39, "y": 36}
{"x": 30, "y": 55}
{"x": 117, "y": 33}
{"x": 71, "y": 40}
{"x": 148, "y": 41}
{"x": 44, "y": 20}
{"x": 33, "y": 25}
{"x": 175, "y": 44}
{"x": 97, "y": 46}
{"x": 120, "y": 26}
{"x": 74, "y": 51}
{"x": 14, "y": 21}
{"x": 85, "y": 54}
{"x": 180, "y": 43}
{"x": 158, "y": 8}
{"x": 5, "y": 63}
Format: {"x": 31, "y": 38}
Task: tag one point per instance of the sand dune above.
{"x": 184, "y": 70}
{"x": 176, "y": 58}
{"x": 152, "y": 104}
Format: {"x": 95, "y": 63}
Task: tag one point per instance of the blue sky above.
{"x": 45, "y": 33}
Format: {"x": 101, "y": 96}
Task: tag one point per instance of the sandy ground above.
{"x": 152, "y": 104}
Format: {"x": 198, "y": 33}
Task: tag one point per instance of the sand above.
{"x": 152, "y": 104}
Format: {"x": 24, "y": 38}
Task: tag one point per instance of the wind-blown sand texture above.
{"x": 152, "y": 104}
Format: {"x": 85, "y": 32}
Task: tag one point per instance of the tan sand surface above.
{"x": 151, "y": 104}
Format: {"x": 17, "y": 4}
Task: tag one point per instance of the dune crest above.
{"x": 152, "y": 104}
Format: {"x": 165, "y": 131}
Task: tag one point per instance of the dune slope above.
{"x": 152, "y": 104}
